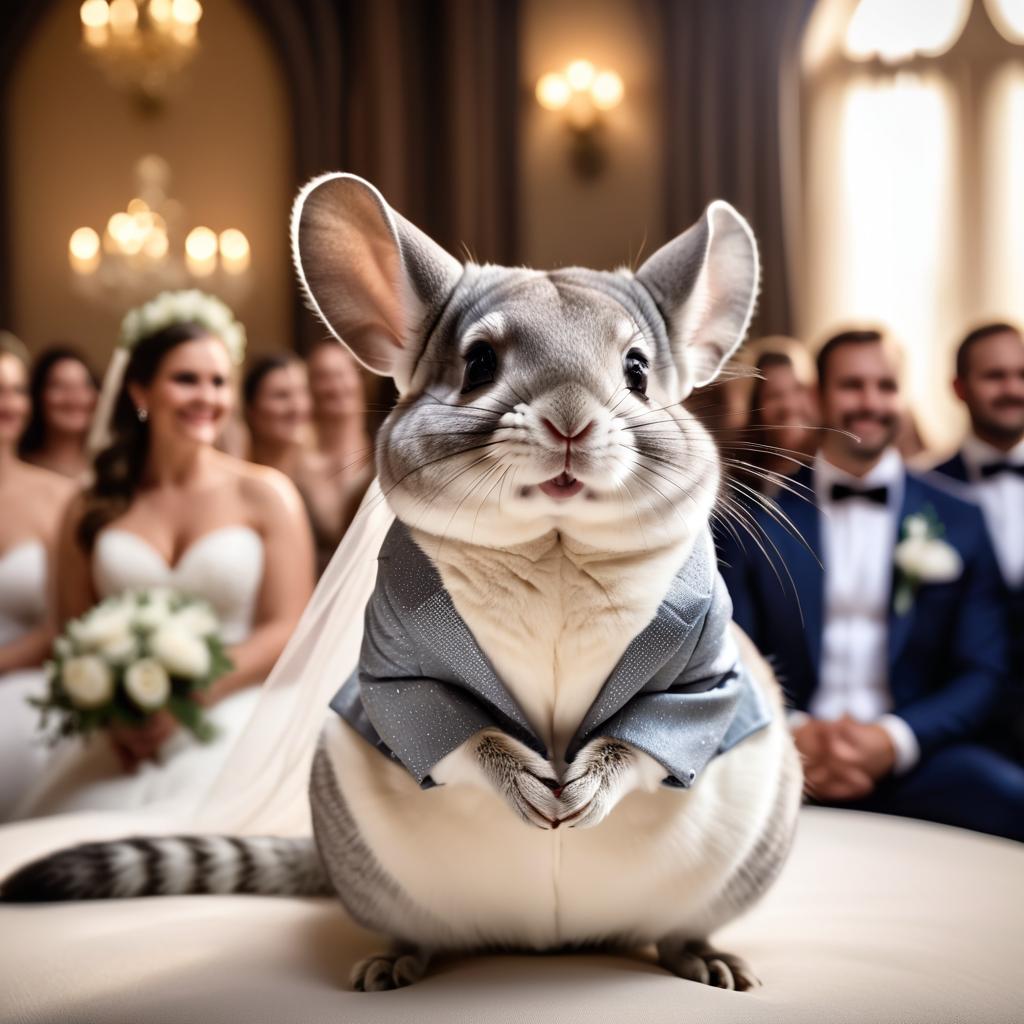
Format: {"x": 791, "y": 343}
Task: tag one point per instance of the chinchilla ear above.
{"x": 376, "y": 280}
{"x": 705, "y": 282}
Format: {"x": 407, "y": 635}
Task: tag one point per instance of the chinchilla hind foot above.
{"x": 383, "y": 972}
{"x": 697, "y": 961}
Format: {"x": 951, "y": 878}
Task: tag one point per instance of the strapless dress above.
{"x": 23, "y": 753}
{"x": 224, "y": 567}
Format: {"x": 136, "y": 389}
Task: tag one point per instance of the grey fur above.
{"x": 153, "y": 866}
{"x": 368, "y": 892}
{"x": 761, "y": 866}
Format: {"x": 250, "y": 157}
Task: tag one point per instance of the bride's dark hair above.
{"x": 118, "y": 467}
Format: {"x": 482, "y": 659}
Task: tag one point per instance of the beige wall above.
{"x": 606, "y": 222}
{"x": 74, "y": 143}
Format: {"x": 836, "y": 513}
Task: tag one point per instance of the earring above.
{"x": 143, "y": 414}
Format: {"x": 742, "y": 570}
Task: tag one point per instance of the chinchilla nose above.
{"x": 560, "y": 436}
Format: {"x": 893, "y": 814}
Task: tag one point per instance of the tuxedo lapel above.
{"x": 914, "y": 499}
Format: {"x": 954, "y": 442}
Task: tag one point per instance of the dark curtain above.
{"x": 431, "y": 114}
{"x": 731, "y": 107}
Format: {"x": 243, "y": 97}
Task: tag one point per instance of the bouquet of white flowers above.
{"x": 132, "y": 655}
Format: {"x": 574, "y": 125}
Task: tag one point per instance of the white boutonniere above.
{"x": 922, "y": 556}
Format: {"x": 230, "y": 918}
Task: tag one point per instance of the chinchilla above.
{"x": 555, "y": 738}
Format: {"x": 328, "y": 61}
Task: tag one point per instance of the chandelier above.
{"x": 144, "y": 249}
{"x": 141, "y": 45}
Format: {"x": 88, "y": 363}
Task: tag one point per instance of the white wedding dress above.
{"x": 23, "y": 753}
{"x": 225, "y": 567}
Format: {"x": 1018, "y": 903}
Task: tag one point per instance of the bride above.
{"x": 167, "y": 509}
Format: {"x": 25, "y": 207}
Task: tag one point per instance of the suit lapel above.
{"x": 899, "y": 625}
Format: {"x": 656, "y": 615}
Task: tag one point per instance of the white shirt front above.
{"x": 1001, "y": 498}
{"x": 857, "y": 541}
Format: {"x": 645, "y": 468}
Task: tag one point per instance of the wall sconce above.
{"x": 583, "y": 93}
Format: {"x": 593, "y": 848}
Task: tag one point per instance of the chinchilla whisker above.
{"x": 661, "y": 494}
{"x": 442, "y": 458}
{"x": 786, "y": 483}
{"x": 752, "y": 527}
{"x": 773, "y": 510}
{"x": 474, "y": 484}
{"x": 483, "y": 500}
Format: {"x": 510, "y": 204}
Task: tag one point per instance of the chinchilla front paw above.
{"x": 596, "y": 781}
{"x": 521, "y": 776}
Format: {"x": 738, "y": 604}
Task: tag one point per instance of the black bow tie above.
{"x": 878, "y": 495}
{"x": 995, "y": 468}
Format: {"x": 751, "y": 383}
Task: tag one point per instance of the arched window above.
{"x": 912, "y": 169}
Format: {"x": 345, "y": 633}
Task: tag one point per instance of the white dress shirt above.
{"x": 1001, "y": 498}
{"x": 857, "y": 541}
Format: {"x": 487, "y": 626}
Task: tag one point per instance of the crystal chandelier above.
{"x": 141, "y": 252}
{"x": 141, "y": 45}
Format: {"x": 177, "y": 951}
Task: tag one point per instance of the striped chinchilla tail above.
{"x": 170, "y": 866}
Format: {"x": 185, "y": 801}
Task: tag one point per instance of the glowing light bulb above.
{"x": 84, "y": 251}
{"x": 553, "y": 91}
{"x": 94, "y": 13}
{"x": 607, "y": 90}
{"x": 95, "y": 16}
{"x": 580, "y": 74}
{"x": 201, "y": 251}
{"x": 235, "y": 254}
{"x": 186, "y": 12}
{"x": 160, "y": 11}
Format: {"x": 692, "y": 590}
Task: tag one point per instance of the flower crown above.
{"x": 191, "y": 306}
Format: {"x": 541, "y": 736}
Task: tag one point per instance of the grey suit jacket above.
{"x": 423, "y": 686}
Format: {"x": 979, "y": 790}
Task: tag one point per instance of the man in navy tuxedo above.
{"x": 990, "y": 463}
{"x": 890, "y": 671}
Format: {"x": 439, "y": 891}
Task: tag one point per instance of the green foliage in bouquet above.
{"x": 131, "y": 656}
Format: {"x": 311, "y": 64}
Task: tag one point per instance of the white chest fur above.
{"x": 554, "y": 618}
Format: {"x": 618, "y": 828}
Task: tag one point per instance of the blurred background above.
{"x": 876, "y": 146}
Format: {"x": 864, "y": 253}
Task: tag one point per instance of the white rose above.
{"x": 148, "y": 684}
{"x": 928, "y": 560}
{"x": 88, "y": 681}
{"x": 107, "y": 624}
{"x": 181, "y": 652}
{"x": 156, "y": 611}
{"x": 120, "y": 649}
{"x": 63, "y": 647}
{"x": 198, "y": 618}
{"x": 916, "y": 527}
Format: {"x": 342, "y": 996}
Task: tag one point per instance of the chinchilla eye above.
{"x": 481, "y": 366}
{"x": 636, "y": 371}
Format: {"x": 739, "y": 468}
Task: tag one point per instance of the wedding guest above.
{"x": 343, "y": 444}
{"x": 893, "y": 654}
{"x": 33, "y": 501}
{"x": 990, "y": 382}
{"x": 168, "y": 510}
{"x": 278, "y": 413}
{"x": 780, "y": 429}
{"x": 63, "y": 392}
